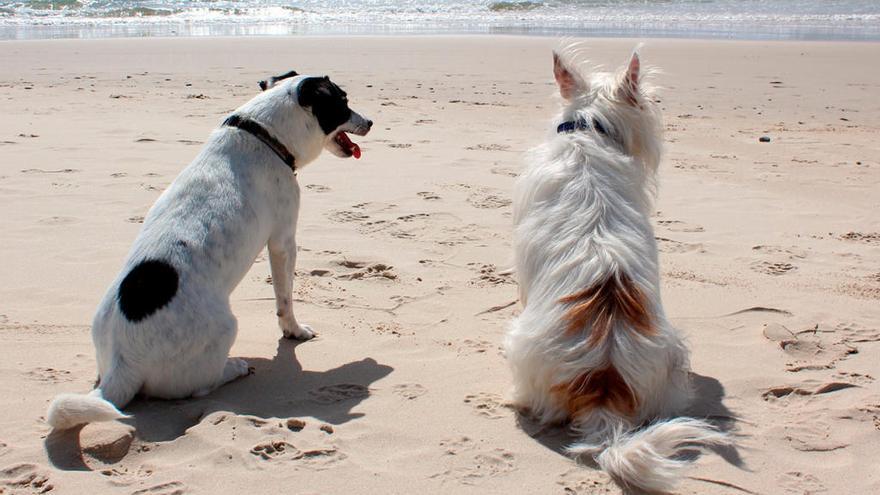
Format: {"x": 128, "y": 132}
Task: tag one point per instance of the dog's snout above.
{"x": 369, "y": 124}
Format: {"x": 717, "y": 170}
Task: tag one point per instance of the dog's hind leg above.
{"x": 282, "y": 258}
{"x": 235, "y": 368}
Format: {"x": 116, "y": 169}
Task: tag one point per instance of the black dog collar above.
{"x": 581, "y": 125}
{"x": 260, "y": 132}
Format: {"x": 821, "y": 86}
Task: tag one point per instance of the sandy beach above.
{"x": 770, "y": 258}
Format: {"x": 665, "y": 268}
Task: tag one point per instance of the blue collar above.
{"x": 581, "y": 125}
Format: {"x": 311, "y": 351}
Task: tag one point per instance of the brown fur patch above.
{"x": 616, "y": 299}
{"x": 603, "y": 387}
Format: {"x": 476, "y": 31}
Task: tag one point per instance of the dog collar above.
{"x": 581, "y": 125}
{"x": 254, "y": 128}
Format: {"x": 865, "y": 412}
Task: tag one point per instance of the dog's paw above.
{"x": 298, "y": 332}
{"x": 236, "y": 367}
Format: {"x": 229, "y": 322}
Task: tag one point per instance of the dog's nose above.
{"x": 369, "y": 124}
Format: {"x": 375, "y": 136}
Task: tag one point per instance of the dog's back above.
{"x": 592, "y": 345}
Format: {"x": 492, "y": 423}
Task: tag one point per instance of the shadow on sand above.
{"x": 278, "y": 388}
{"x": 708, "y": 405}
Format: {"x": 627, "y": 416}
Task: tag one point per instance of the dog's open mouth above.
{"x": 347, "y": 145}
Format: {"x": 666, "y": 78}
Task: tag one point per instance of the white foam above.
{"x": 766, "y": 19}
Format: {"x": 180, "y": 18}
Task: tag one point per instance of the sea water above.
{"x": 732, "y": 19}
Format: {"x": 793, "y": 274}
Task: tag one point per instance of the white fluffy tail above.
{"x": 69, "y": 410}
{"x": 645, "y": 459}
{"x": 117, "y": 387}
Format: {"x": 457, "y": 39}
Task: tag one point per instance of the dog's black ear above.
{"x": 327, "y": 102}
{"x": 266, "y": 84}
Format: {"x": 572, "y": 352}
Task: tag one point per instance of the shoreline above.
{"x": 214, "y": 30}
{"x": 453, "y": 37}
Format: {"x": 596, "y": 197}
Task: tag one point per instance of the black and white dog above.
{"x": 165, "y": 326}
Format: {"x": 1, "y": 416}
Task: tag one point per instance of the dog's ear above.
{"x": 629, "y": 88}
{"x": 268, "y": 83}
{"x": 568, "y": 81}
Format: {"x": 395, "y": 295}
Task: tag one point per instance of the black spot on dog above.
{"x": 147, "y": 288}
{"x": 266, "y": 84}
{"x": 328, "y": 102}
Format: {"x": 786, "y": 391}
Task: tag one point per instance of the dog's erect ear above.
{"x": 630, "y": 85}
{"x": 569, "y": 83}
{"x": 268, "y": 83}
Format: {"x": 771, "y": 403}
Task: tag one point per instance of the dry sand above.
{"x": 770, "y": 259}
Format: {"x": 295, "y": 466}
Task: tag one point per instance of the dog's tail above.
{"x": 649, "y": 459}
{"x": 101, "y": 404}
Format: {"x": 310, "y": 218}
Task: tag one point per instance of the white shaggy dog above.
{"x": 165, "y": 327}
{"x": 592, "y": 346}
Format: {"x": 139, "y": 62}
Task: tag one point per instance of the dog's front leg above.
{"x": 282, "y": 258}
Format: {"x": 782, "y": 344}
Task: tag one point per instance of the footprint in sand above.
{"x": 409, "y": 391}
{"x": 485, "y": 200}
{"x": 58, "y": 220}
{"x": 388, "y": 328}
{"x": 282, "y": 451}
{"x": 400, "y": 145}
{"x": 790, "y": 253}
{"x": 864, "y": 237}
{"x": 318, "y": 188}
{"x": 346, "y": 216}
{"x": 801, "y": 483}
{"x": 666, "y": 245}
{"x": 771, "y": 268}
{"x": 479, "y": 467}
{"x": 505, "y": 171}
{"x": 275, "y": 449}
{"x": 852, "y": 332}
{"x": 488, "y": 147}
{"x": 428, "y": 195}
{"x": 122, "y": 476}
{"x": 489, "y": 275}
{"x": 4, "y": 449}
{"x": 692, "y": 277}
{"x": 856, "y": 378}
{"x": 413, "y": 216}
{"x": 170, "y": 488}
{"x": 276, "y": 441}
{"x": 812, "y": 436}
{"x": 679, "y": 226}
{"x": 809, "y": 388}
{"x": 363, "y": 270}
{"x": 42, "y": 171}
{"x": 24, "y": 478}
{"x": 488, "y": 405}
{"x": 48, "y": 375}
{"x": 471, "y": 346}
{"x": 330, "y": 394}
{"x": 579, "y": 481}
{"x": 455, "y": 446}
{"x": 820, "y": 347}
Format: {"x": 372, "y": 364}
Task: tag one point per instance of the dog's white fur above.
{"x": 235, "y": 198}
{"x": 581, "y": 211}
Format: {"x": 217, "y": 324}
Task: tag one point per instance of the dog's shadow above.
{"x": 708, "y": 405}
{"x": 278, "y": 388}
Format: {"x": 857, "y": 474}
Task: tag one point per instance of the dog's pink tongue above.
{"x": 348, "y": 144}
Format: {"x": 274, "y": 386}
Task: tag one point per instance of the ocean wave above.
{"x": 753, "y": 19}
{"x": 515, "y": 6}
